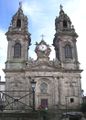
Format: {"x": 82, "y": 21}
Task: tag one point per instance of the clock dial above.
{"x": 42, "y": 47}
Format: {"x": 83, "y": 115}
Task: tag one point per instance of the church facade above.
{"x": 58, "y": 82}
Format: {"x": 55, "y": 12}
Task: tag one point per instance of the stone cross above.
{"x": 61, "y": 7}
{"x": 42, "y": 37}
{"x": 20, "y": 4}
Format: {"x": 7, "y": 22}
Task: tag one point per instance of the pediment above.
{"x": 43, "y": 66}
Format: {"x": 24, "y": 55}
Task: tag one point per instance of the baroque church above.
{"x": 58, "y": 81}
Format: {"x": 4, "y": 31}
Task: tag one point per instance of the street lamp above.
{"x": 33, "y": 84}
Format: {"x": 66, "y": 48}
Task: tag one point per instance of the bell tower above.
{"x": 18, "y": 40}
{"x": 17, "y": 56}
{"x": 65, "y": 41}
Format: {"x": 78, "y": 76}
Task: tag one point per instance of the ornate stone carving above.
{"x": 42, "y": 49}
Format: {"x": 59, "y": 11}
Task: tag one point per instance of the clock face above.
{"x": 42, "y": 47}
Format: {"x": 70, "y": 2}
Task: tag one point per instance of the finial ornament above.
{"x": 20, "y": 4}
{"x": 42, "y": 37}
{"x": 61, "y": 7}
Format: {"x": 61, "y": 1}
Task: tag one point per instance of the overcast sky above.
{"x": 41, "y": 17}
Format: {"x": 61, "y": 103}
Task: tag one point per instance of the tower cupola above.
{"x": 19, "y": 22}
{"x": 63, "y": 23}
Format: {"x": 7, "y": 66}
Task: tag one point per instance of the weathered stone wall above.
{"x": 62, "y": 86}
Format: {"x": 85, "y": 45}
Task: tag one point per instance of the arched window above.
{"x": 68, "y": 51}
{"x": 43, "y": 88}
{"x": 64, "y": 23}
{"x": 17, "y": 50}
{"x": 18, "y": 23}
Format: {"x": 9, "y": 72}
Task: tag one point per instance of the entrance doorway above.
{"x": 44, "y": 103}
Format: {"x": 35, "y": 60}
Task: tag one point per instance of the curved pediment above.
{"x": 43, "y": 65}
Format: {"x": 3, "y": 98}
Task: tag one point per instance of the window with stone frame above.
{"x": 18, "y": 23}
{"x": 64, "y": 23}
{"x": 68, "y": 51}
{"x": 17, "y": 50}
{"x": 43, "y": 87}
{"x": 71, "y": 100}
